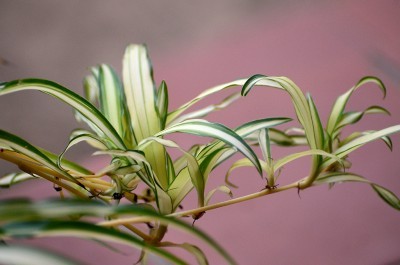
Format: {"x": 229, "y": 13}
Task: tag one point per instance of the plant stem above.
{"x": 137, "y": 232}
{"x": 234, "y": 201}
{"x": 265, "y": 192}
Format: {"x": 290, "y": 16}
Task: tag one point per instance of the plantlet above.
{"x": 128, "y": 120}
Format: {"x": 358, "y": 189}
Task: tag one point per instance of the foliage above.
{"x": 128, "y": 121}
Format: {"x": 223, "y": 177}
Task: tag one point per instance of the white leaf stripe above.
{"x": 337, "y": 177}
{"x": 140, "y": 91}
{"x": 299, "y": 101}
{"x": 56, "y": 209}
{"x": 111, "y": 99}
{"x": 245, "y": 130}
{"x": 175, "y": 113}
{"x": 344, "y": 150}
{"x": 22, "y": 146}
{"x": 215, "y": 130}
{"x": 84, "y": 230}
{"x": 141, "y": 102}
{"x": 162, "y": 103}
{"x": 340, "y": 103}
{"x": 205, "y": 111}
{"x": 8, "y": 180}
{"x": 195, "y": 174}
{"x": 388, "y": 196}
{"x": 79, "y": 138}
{"x": 69, "y": 97}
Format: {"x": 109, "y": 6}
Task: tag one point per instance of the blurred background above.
{"x": 324, "y": 46}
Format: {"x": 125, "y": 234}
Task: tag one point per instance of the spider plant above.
{"x": 129, "y": 120}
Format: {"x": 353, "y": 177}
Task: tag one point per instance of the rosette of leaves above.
{"x": 128, "y": 119}
{"x": 328, "y": 148}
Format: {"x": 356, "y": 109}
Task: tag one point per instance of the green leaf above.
{"x": 140, "y": 91}
{"x": 243, "y": 131}
{"x": 147, "y": 176}
{"x": 340, "y": 103}
{"x": 244, "y": 162}
{"x": 388, "y": 196}
{"x": 82, "y": 230}
{"x": 215, "y": 153}
{"x": 162, "y": 103}
{"x": 265, "y": 146}
{"x": 205, "y": 111}
{"x": 208, "y": 92}
{"x": 91, "y": 139}
{"x": 316, "y": 122}
{"x": 386, "y": 139}
{"x": 221, "y": 188}
{"x": 360, "y": 141}
{"x": 10, "y": 179}
{"x": 348, "y": 118}
{"x": 192, "y": 249}
{"x": 297, "y": 96}
{"x": 91, "y": 87}
{"x": 212, "y": 160}
{"x": 180, "y": 187}
{"x": 79, "y": 138}
{"x": 289, "y": 158}
{"x": 26, "y": 210}
{"x": 196, "y": 175}
{"x": 19, "y": 145}
{"x": 86, "y": 109}
{"x": 141, "y": 101}
{"x": 19, "y": 255}
{"x": 66, "y": 164}
{"x": 112, "y": 104}
{"x": 305, "y": 111}
{"x": 282, "y": 138}
{"x": 338, "y": 177}
{"x": 218, "y": 131}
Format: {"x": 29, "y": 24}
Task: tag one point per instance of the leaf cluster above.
{"x": 129, "y": 120}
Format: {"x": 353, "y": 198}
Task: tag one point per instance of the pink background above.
{"x": 325, "y": 48}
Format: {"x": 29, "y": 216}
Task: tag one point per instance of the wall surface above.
{"x": 324, "y": 46}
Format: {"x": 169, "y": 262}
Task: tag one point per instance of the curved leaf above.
{"x": 360, "y": 141}
{"x": 192, "y": 249}
{"x": 283, "y": 161}
{"x": 79, "y": 138}
{"x": 81, "y": 230}
{"x": 205, "y": 111}
{"x": 10, "y": 179}
{"x": 218, "y": 131}
{"x": 175, "y": 113}
{"x": 191, "y": 163}
{"x": 140, "y": 93}
{"x": 74, "y": 100}
{"x": 162, "y": 103}
{"x": 348, "y": 118}
{"x": 337, "y": 177}
{"x": 388, "y": 196}
{"x": 26, "y": 210}
{"x": 221, "y": 188}
{"x": 244, "y": 162}
{"x": 340, "y": 103}
{"x": 112, "y": 103}
{"x": 21, "y": 146}
{"x": 148, "y": 177}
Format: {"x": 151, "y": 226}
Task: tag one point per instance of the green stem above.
{"x": 234, "y": 201}
{"x": 262, "y": 193}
